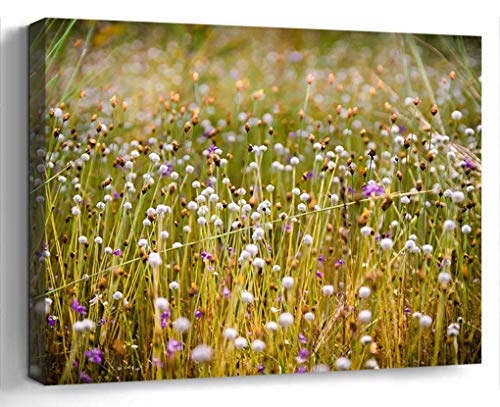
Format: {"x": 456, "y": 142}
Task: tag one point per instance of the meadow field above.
{"x": 225, "y": 201}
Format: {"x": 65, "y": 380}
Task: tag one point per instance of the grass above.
{"x": 349, "y": 162}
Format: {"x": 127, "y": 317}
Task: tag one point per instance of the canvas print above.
{"x": 211, "y": 201}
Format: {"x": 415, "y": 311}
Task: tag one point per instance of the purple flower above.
{"x": 319, "y": 274}
{"x": 260, "y": 368}
{"x": 101, "y": 322}
{"x": 117, "y": 252}
{"x": 51, "y": 320}
{"x": 116, "y": 195}
{"x": 205, "y": 255}
{"x": 288, "y": 227}
{"x": 198, "y": 313}
{"x": 309, "y": 175}
{"x": 407, "y": 311}
{"x": 226, "y": 292}
{"x": 302, "y": 339}
{"x": 339, "y": 262}
{"x": 173, "y": 346}
{"x": 468, "y": 164}
{"x": 301, "y": 369}
{"x": 80, "y": 309}
{"x": 303, "y": 353}
{"x": 321, "y": 258}
{"x": 168, "y": 170}
{"x": 372, "y": 188}
{"x": 212, "y": 149}
{"x": 84, "y": 377}
{"x": 164, "y": 316}
{"x": 295, "y": 56}
{"x": 95, "y": 355}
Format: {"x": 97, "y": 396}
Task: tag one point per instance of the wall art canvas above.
{"x": 212, "y": 201}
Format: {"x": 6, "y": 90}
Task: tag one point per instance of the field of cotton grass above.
{"x": 223, "y": 201}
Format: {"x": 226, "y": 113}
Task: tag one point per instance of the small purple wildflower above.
{"x": 288, "y": 227}
{"x": 260, "y": 368}
{"x": 80, "y": 309}
{"x": 226, "y": 292}
{"x": 372, "y": 188}
{"x": 302, "y": 338}
{"x": 163, "y": 318}
{"x": 116, "y": 195}
{"x": 407, "y": 311}
{"x": 212, "y": 149}
{"x": 339, "y": 262}
{"x": 321, "y": 258}
{"x": 319, "y": 274}
{"x": 198, "y": 313}
{"x": 51, "y": 320}
{"x": 168, "y": 170}
{"x": 303, "y": 353}
{"x": 101, "y": 322}
{"x": 205, "y": 255}
{"x": 75, "y": 364}
{"x": 468, "y": 164}
{"x": 95, "y": 355}
{"x": 309, "y": 175}
{"x": 84, "y": 377}
{"x": 301, "y": 369}
{"x": 117, "y": 252}
{"x": 173, "y": 346}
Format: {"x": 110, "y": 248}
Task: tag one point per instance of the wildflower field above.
{"x": 223, "y": 201}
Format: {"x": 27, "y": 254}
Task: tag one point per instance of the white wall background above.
{"x": 447, "y": 386}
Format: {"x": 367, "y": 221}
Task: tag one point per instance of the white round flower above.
{"x": 449, "y": 225}
{"x": 458, "y": 196}
{"x": 108, "y": 250}
{"x": 98, "y": 240}
{"x": 327, "y": 290}
{"x": 246, "y": 297}
{"x": 182, "y": 324}
{"x": 405, "y": 200}
{"x": 286, "y": 319}
{"x": 240, "y": 342}
{"x": 258, "y": 345}
{"x": 154, "y": 259}
{"x": 386, "y": 243}
{"x": 309, "y": 316}
{"x": 161, "y": 304}
{"x": 308, "y": 239}
{"x": 287, "y": 282}
{"x": 364, "y": 292}
{"x": 301, "y": 207}
{"x": 366, "y": 231}
{"x": 456, "y": 115}
{"x": 127, "y": 206}
{"x": 343, "y": 363}
{"x": 366, "y": 339}
{"x": 294, "y": 161}
{"x": 202, "y": 353}
{"x": 427, "y": 248}
{"x": 466, "y": 229}
{"x": 365, "y": 316}
{"x": 117, "y": 295}
{"x": 229, "y": 333}
{"x": 174, "y": 285}
{"x": 82, "y": 239}
{"x": 425, "y": 321}
{"x": 272, "y": 326}
{"x": 252, "y": 249}
{"x": 453, "y": 329}
{"x": 259, "y": 262}
{"x": 444, "y": 277}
